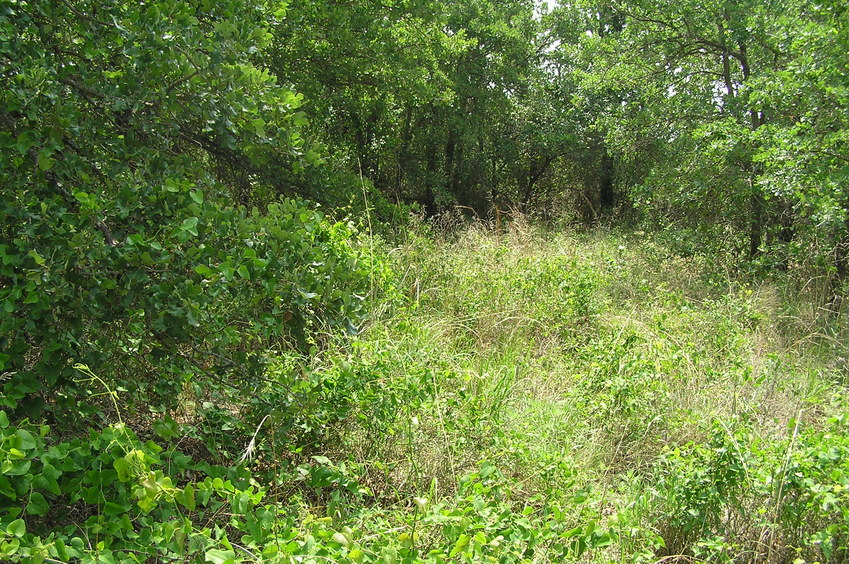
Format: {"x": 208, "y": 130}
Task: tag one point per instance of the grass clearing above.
{"x": 594, "y": 372}
{"x": 518, "y": 396}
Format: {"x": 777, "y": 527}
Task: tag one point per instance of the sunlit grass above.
{"x": 574, "y": 362}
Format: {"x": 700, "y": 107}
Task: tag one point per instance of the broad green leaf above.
{"x": 461, "y": 544}
{"x": 39, "y": 260}
{"x": 6, "y": 488}
{"x": 216, "y": 556}
{"x": 122, "y": 467}
{"x": 26, "y": 440}
{"x": 47, "y": 483}
{"x": 186, "y": 497}
{"x": 17, "y": 528}
{"x": 190, "y": 226}
{"x": 259, "y": 126}
{"x": 389, "y": 555}
{"x": 44, "y": 161}
{"x": 166, "y": 427}
{"x": 197, "y": 196}
{"x": 61, "y": 551}
{"x": 204, "y": 270}
{"x": 112, "y": 508}
{"x": 37, "y": 504}
{"x": 240, "y": 503}
{"x": 340, "y": 538}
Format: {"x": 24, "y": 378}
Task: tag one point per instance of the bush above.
{"x": 197, "y": 303}
{"x": 736, "y": 495}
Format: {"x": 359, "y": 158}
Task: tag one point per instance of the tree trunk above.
{"x": 786, "y": 235}
{"x": 607, "y": 196}
{"x": 429, "y": 200}
{"x": 403, "y": 152}
{"x": 841, "y": 268}
{"x": 756, "y": 224}
{"x": 450, "y": 150}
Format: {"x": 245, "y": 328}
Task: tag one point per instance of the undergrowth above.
{"x": 516, "y": 396}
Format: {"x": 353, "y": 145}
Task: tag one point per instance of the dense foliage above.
{"x": 722, "y": 122}
{"x": 244, "y": 318}
{"x": 124, "y": 245}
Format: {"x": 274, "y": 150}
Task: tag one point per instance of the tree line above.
{"x": 728, "y": 118}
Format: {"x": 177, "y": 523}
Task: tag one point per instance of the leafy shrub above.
{"x": 562, "y": 293}
{"x": 121, "y": 499}
{"x": 206, "y": 295}
{"x": 129, "y": 169}
{"x": 736, "y": 495}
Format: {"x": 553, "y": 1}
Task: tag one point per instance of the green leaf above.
{"x": 17, "y": 528}
{"x": 4, "y": 420}
{"x": 12, "y": 468}
{"x": 312, "y": 157}
{"x": 460, "y": 545}
{"x": 204, "y": 270}
{"x": 197, "y": 196}
{"x": 122, "y": 467}
{"x": 240, "y": 503}
{"x": 51, "y": 471}
{"x": 601, "y": 540}
{"x": 25, "y": 140}
{"x": 340, "y": 539}
{"x": 190, "y": 226}
{"x": 217, "y": 556}
{"x": 47, "y": 483}
{"x": 6, "y": 488}
{"x": 44, "y": 161}
{"x": 390, "y": 555}
{"x": 61, "y": 551}
{"x": 244, "y": 272}
{"x": 26, "y": 440}
{"x": 186, "y": 498}
{"x": 37, "y": 504}
{"x": 111, "y": 508}
{"x": 39, "y": 260}
{"x": 166, "y": 427}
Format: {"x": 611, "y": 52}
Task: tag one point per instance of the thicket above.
{"x": 246, "y": 318}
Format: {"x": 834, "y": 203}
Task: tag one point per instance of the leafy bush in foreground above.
{"x": 735, "y": 495}
{"x": 198, "y": 301}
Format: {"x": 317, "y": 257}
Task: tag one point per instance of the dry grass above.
{"x": 657, "y": 349}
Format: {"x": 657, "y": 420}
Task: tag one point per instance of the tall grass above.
{"x": 654, "y": 400}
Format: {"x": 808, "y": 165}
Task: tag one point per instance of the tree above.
{"x": 416, "y": 95}
{"x": 689, "y": 66}
{"x": 128, "y": 131}
{"x": 802, "y": 149}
